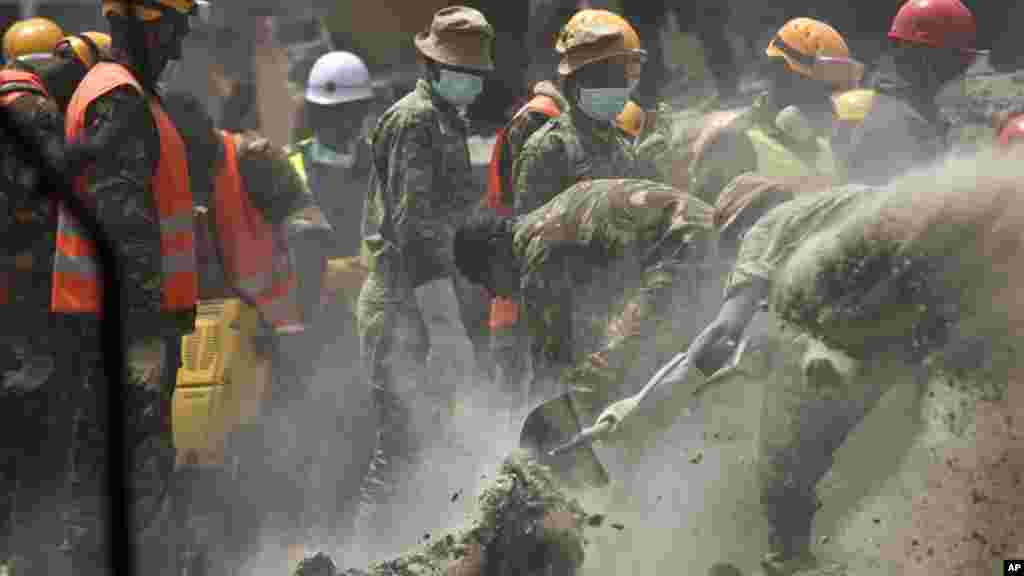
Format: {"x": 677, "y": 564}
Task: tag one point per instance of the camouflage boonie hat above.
{"x": 458, "y": 36}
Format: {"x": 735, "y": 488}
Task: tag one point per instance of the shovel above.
{"x": 588, "y": 435}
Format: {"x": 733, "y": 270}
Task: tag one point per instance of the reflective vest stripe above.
{"x": 76, "y": 284}
{"x": 255, "y": 258}
{"x": 298, "y": 162}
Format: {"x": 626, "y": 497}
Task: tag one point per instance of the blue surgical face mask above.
{"x": 459, "y": 88}
{"x": 325, "y": 155}
{"x": 604, "y": 104}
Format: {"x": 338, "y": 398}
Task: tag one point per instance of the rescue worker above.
{"x": 762, "y": 226}
{"x": 421, "y": 186}
{"x": 595, "y": 270}
{"x": 28, "y": 340}
{"x": 932, "y": 44}
{"x": 262, "y": 228}
{"x": 141, "y": 195}
{"x": 601, "y": 60}
{"x": 563, "y": 135}
{"x": 36, "y": 84}
{"x": 789, "y": 125}
{"x": 335, "y": 162}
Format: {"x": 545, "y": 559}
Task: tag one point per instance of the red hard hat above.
{"x": 1013, "y": 130}
{"x": 937, "y": 23}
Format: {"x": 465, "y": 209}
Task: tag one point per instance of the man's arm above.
{"x": 540, "y": 172}
{"x": 121, "y": 124}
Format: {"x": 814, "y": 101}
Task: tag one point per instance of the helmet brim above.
{"x": 321, "y": 96}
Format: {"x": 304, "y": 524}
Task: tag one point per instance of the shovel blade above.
{"x": 551, "y": 425}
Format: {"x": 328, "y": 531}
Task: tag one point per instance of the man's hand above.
{"x": 614, "y": 416}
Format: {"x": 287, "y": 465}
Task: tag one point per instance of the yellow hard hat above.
{"x": 595, "y": 35}
{"x": 88, "y": 47}
{"x": 149, "y": 10}
{"x": 34, "y": 36}
{"x": 853, "y": 105}
{"x": 801, "y": 40}
{"x": 631, "y": 119}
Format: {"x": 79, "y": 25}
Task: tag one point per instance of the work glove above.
{"x": 615, "y": 415}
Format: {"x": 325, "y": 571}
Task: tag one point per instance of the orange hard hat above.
{"x": 801, "y": 40}
{"x": 88, "y": 47}
{"x": 31, "y": 37}
{"x": 595, "y": 35}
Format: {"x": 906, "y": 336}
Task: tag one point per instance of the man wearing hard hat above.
{"x": 140, "y": 192}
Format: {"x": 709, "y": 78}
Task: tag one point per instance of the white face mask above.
{"x": 324, "y": 155}
{"x": 604, "y": 104}
{"x": 459, "y": 88}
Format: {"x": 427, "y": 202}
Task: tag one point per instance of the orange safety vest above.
{"x": 252, "y": 251}
{"x": 76, "y": 285}
{"x": 14, "y": 84}
{"x": 505, "y": 312}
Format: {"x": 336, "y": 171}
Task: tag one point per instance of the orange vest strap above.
{"x": 19, "y": 83}
{"x": 253, "y": 251}
{"x": 495, "y": 194}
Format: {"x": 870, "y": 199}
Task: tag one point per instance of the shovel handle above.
{"x": 587, "y": 436}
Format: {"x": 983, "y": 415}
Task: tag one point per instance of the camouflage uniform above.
{"x": 120, "y": 122}
{"x": 804, "y": 420}
{"x": 601, "y": 265}
{"x": 567, "y": 149}
{"x": 34, "y": 456}
{"x": 421, "y": 186}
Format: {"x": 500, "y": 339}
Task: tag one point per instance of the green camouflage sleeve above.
{"x": 411, "y": 181}
{"x": 540, "y": 172}
{"x": 668, "y": 268}
{"x": 121, "y": 123}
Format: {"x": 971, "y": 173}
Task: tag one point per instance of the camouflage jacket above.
{"x": 29, "y": 222}
{"x": 121, "y": 123}
{"x": 567, "y": 149}
{"x": 421, "y": 185}
{"x": 608, "y": 252}
{"x": 776, "y": 236}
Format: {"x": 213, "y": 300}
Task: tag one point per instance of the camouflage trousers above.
{"x": 150, "y": 374}
{"x": 395, "y": 345}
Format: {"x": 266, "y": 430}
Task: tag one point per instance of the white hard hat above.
{"x": 338, "y": 77}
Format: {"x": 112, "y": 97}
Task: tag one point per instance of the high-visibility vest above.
{"x": 76, "y": 284}
{"x": 14, "y": 84}
{"x": 495, "y": 179}
{"x": 252, "y": 251}
{"x": 505, "y": 312}
{"x": 297, "y": 158}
